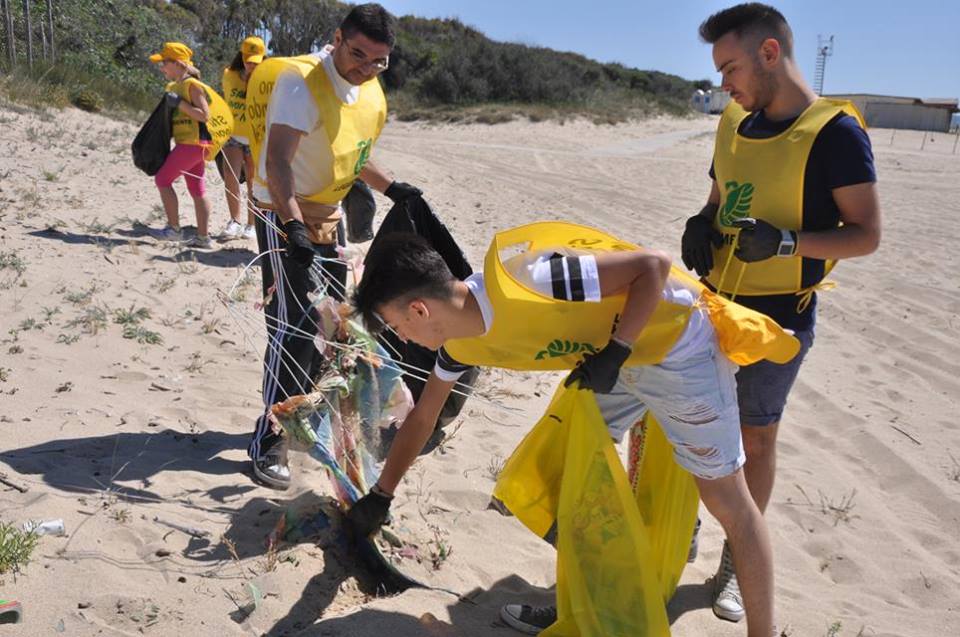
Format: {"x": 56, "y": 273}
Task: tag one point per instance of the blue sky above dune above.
{"x": 881, "y": 46}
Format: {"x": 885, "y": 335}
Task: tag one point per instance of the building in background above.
{"x": 887, "y": 111}
{"x": 712, "y": 101}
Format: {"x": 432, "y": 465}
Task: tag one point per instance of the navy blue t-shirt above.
{"x": 841, "y": 156}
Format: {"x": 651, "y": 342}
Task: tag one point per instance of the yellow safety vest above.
{"x": 215, "y": 132}
{"x": 235, "y": 94}
{"x": 351, "y": 129}
{"x": 763, "y": 179}
{"x": 532, "y": 331}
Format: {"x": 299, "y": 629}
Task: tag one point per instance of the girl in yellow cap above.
{"x": 236, "y": 152}
{"x": 188, "y": 96}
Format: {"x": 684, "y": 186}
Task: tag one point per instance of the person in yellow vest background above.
{"x": 320, "y": 129}
{"x": 188, "y": 95}
{"x": 236, "y": 151}
{"x": 794, "y": 190}
{"x": 640, "y": 334}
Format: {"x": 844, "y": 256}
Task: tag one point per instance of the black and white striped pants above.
{"x": 290, "y": 357}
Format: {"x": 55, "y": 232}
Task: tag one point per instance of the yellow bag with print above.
{"x": 617, "y": 563}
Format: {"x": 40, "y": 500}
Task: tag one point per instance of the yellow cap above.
{"x": 173, "y": 51}
{"x": 253, "y": 49}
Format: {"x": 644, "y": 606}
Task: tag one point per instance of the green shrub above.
{"x": 16, "y": 546}
{"x": 86, "y": 100}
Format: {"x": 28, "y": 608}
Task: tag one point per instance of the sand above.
{"x": 121, "y": 438}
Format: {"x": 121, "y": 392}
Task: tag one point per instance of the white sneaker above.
{"x": 168, "y": 233}
{"x": 233, "y": 231}
{"x": 249, "y": 231}
{"x": 200, "y": 242}
{"x": 727, "y": 601}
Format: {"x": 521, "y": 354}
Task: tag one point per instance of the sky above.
{"x": 890, "y": 47}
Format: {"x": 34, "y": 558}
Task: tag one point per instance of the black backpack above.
{"x": 152, "y": 144}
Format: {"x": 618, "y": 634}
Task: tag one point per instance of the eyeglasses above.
{"x": 379, "y": 65}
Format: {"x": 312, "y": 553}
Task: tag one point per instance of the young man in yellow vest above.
{"x": 610, "y": 305}
{"x": 320, "y": 130}
{"x": 793, "y": 191}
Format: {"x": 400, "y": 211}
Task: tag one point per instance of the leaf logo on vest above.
{"x": 365, "y": 146}
{"x": 562, "y": 348}
{"x": 737, "y": 206}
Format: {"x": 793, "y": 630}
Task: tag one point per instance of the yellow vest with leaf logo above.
{"x": 533, "y": 331}
{"x": 212, "y": 134}
{"x": 763, "y": 179}
{"x": 235, "y": 94}
{"x": 351, "y": 129}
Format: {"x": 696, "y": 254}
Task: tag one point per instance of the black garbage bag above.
{"x": 359, "y": 208}
{"x": 152, "y": 144}
{"x": 415, "y": 215}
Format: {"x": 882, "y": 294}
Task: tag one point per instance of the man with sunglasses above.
{"x": 319, "y": 132}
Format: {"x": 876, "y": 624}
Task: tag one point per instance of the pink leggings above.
{"x": 186, "y": 159}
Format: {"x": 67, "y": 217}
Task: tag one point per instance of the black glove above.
{"x": 599, "y": 371}
{"x": 369, "y": 512}
{"x": 758, "y": 240}
{"x": 299, "y": 246}
{"x": 399, "y": 191}
{"x": 173, "y": 100}
{"x": 697, "y": 245}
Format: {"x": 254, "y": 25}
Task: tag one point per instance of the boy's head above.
{"x": 404, "y": 282}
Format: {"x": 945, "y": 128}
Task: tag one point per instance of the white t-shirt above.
{"x": 575, "y": 278}
{"x": 292, "y": 104}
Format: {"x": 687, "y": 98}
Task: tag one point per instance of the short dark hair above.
{"x": 751, "y": 19}
{"x": 373, "y": 21}
{"x": 399, "y": 266}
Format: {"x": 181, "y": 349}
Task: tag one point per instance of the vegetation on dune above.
{"x": 439, "y": 69}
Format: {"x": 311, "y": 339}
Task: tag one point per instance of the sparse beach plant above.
{"x": 12, "y": 262}
{"x": 16, "y": 547}
{"x": 91, "y": 321}
{"x": 130, "y": 316}
{"x": 142, "y": 335}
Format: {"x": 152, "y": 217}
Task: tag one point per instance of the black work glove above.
{"x": 369, "y": 513}
{"x": 599, "y": 371}
{"x": 399, "y": 191}
{"x": 697, "y": 245}
{"x": 758, "y": 240}
{"x": 299, "y": 246}
{"x": 173, "y": 100}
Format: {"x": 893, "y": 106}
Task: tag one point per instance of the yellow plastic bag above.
{"x": 617, "y": 564}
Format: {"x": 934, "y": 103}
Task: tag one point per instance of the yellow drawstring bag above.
{"x": 617, "y": 563}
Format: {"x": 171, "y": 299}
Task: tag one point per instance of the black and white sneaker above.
{"x": 694, "y": 544}
{"x": 272, "y": 470}
{"x": 531, "y": 620}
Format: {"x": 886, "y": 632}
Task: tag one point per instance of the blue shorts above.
{"x": 762, "y": 388}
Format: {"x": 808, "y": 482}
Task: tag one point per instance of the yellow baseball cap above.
{"x": 173, "y": 51}
{"x": 253, "y": 49}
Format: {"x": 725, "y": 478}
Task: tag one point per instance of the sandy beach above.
{"x": 131, "y": 426}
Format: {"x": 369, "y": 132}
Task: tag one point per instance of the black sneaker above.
{"x": 531, "y": 620}
{"x": 271, "y": 469}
